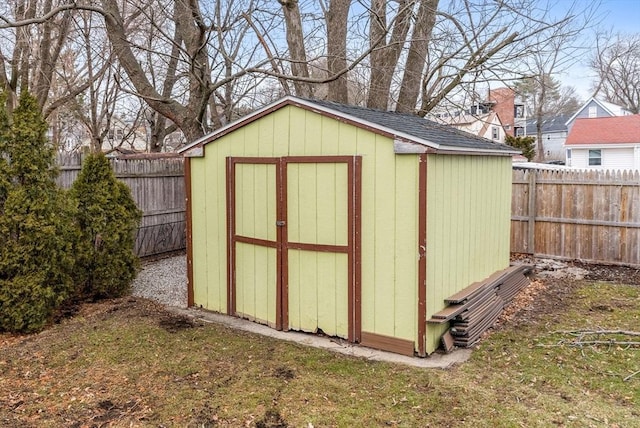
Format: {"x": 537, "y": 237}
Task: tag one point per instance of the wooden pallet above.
{"x": 473, "y": 310}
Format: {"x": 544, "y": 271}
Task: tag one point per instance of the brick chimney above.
{"x": 503, "y": 100}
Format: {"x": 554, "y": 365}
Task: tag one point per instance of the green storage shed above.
{"x": 321, "y": 217}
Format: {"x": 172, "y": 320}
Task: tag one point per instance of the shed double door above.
{"x": 294, "y": 243}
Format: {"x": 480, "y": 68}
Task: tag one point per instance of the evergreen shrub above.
{"x": 108, "y": 219}
{"x": 37, "y": 230}
{"x": 526, "y": 144}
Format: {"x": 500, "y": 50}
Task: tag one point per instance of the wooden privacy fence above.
{"x": 157, "y": 186}
{"x": 593, "y": 216}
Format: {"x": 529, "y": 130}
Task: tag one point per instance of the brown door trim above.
{"x": 189, "y": 221}
{"x": 357, "y": 249}
{"x": 282, "y": 245}
{"x": 422, "y": 255}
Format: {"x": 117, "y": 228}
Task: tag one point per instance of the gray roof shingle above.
{"x": 552, "y": 124}
{"x": 416, "y": 126}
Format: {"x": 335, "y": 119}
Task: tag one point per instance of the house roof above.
{"x": 605, "y": 130}
{"x": 612, "y": 109}
{"x": 552, "y": 124}
{"x": 418, "y": 135}
{"x": 465, "y": 119}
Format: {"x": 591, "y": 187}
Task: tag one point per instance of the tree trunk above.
{"x": 193, "y": 32}
{"x": 336, "y": 18}
{"x": 540, "y": 155}
{"x": 182, "y": 116}
{"x": 384, "y": 56}
{"x": 295, "y": 42}
{"x": 51, "y": 46}
{"x": 416, "y": 58}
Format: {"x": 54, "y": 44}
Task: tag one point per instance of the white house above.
{"x": 486, "y": 125}
{"x": 604, "y": 143}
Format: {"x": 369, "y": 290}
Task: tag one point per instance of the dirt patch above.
{"x": 106, "y": 413}
{"x": 553, "y": 282}
{"x": 284, "y": 373}
{"x": 175, "y": 323}
{"x": 205, "y": 417}
{"x": 271, "y": 419}
{"x": 618, "y": 274}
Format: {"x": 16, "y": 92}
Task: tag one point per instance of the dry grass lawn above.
{"x": 129, "y": 362}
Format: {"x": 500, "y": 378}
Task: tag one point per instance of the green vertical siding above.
{"x": 200, "y": 227}
{"x": 317, "y": 205}
{"x": 318, "y": 293}
{"x": 468, "y": 221}
{"x": 256, "y": 283}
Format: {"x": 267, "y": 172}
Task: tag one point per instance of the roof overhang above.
{"x": 403, "y": 142}
{"x": 603, "y": 146}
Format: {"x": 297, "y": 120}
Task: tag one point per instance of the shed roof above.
{"x": 411, "y": 133}
{"x": 605, "y": 130}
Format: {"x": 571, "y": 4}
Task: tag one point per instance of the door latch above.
{"x": 280, "y": 223}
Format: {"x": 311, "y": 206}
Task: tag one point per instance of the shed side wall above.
{"x": 468, "y": 226}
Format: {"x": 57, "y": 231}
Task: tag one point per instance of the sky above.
{"x": 618, "y": 16}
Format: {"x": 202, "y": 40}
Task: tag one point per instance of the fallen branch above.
{"x": 601, "y": 342}
{"x": 630, "y": 376}
{"x": 586, "y": 332}
{"x": 583, "y": 343}
{"x": 585, "y": 338}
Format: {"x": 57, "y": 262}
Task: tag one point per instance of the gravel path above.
{"x": 164, "y": 281}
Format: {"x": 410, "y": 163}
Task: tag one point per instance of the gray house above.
{"x": 554, "y": 134}
{"x": 595, "y": 108}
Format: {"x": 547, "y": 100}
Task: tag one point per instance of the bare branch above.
{"x": 8, "y": 23}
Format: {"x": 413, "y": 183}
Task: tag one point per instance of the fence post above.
{"x": 531, "y": 230}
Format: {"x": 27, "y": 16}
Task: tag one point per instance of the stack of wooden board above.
{"x": 476, "y": 308}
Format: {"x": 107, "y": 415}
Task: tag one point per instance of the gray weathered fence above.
{"x": 592, "y": 216}
{"x": 157, "y": 186}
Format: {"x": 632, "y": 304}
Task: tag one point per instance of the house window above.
{"x": 519, "y": 131}
{"x": 595, "y": 157}
{"x": 494, "y": 133}
{"x": 593, "y": 111}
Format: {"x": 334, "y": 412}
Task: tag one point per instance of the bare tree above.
{"x": 416, "y": 55}
{"x": 617, "y": 64}
{"x": 96, "y": 107}
{"x": 197, "y": 64}
{"x": 546, "y": 98}
{"x": 29, "y": 54}
{"x": 556, "y": 50}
